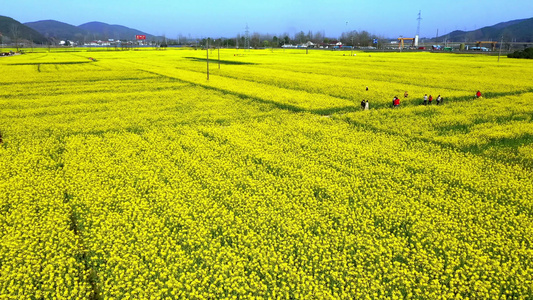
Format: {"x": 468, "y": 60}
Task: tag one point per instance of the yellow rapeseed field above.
{"x": 131, "y": 176}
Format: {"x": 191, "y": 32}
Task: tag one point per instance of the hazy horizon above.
{"x": 229, "y": 18}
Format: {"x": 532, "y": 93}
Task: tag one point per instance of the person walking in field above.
{"x": 396, "y": 102}
{"x": 478, "y": 94}
{"x": 430, "y": 99}
{"x": 405, "y": 94}
{"x": 439, "y": 99}
{"x": 367, "y": 88}
{"x": 363, "y": 105}
{"x": 425, "y": 99}
{"x": 367, "y": 106}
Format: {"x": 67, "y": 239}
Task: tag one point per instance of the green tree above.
{"x": 275, "y": 41}
{"x": 300, "y": 37}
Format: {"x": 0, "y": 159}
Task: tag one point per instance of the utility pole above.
{"x": 15, "y": 33}
{"x": 219, "y": 53}
{"x": 207, "y": 49}
{"x": 247, "y": 38}
{"x": 500, "y": 52}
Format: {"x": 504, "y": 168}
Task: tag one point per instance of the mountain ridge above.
{"x": 86, "y": 32}
{"x": 12, "y": 31}
{"x": 109, "y": 31}
{"x": 57, "y": 30}
{"x": 520, "y": 30}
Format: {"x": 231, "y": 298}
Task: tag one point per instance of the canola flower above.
{"x": 132, "y": 177}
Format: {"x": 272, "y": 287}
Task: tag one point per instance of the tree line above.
{"x": 258, "y": 40}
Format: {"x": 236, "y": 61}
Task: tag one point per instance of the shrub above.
{"x": 526, "y": 53}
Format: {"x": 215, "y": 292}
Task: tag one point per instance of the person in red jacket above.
{"x": 430, "y": 99}
{"x": 478, "y": 94}
{"x": 396, "y": 102}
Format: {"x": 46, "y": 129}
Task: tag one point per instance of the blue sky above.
{"x": 389, "y": 18}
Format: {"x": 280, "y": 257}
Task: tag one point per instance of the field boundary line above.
{"x": 373, "y": 128}
{"x": 283, "y": 106}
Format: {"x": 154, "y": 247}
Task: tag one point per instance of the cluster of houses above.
{"x": 102, "y": 43}
{"x": 391, "y": 45}
{"x": 67, "y": 43}
{"x": 333, "y": 45}
{"x": 113, "y": 42}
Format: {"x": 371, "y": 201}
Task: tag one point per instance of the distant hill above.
{"x": 516, "y": 30}
{"x": 117, "y": 32}
{"x": 13, "y": 30}
{"x": 58, "y": 30}
{"x": 86, "y": 32}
